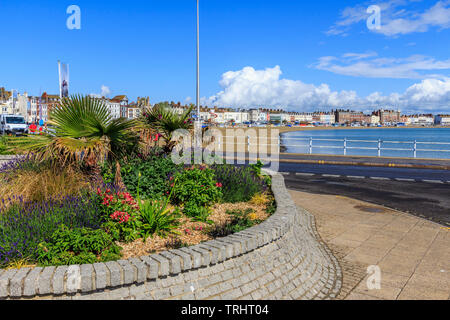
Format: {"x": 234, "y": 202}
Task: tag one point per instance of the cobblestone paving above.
{"x": 413, "y": 254}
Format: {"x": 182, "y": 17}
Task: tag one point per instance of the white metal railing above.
{"x": 379, "y": 145}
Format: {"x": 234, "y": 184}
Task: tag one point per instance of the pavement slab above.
{"x": 411, "y": 253}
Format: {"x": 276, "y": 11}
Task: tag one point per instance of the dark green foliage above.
{"x": 154, "y": 181}
{"x": 77, "y": 246}
{"x": 257, "y": 167}
{"x": 198, "y": 213}
{"x": 240, "y": 184}
{"x": 196, "y": 188}
{"x": 271, "y": 207}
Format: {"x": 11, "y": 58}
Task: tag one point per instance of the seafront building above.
{"x": 442, "y": 120}
{"x": 388, "y": 116}
{"x": 421, "y": 120}
{"x": 35, "y": 108}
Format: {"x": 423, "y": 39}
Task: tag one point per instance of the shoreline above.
{"x": 284, "y": 149}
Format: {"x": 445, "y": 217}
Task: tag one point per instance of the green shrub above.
{"x": 257, "y": 167}
{"x": 240, "y": 184}
{"x": 120, "y": 214}
{"x": 154, "y": 181}
{"x": 77, "y": 246}
{"x": 198, "y": 213}
{"x": 196, "y": 188}
{"x": 271, "y": 206}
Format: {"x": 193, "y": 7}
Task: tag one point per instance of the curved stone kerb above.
{"x": 284, "y": 243}
{"x": 88, "y": 278}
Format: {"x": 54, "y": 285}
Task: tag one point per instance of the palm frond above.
{"x": 84, "y": 130}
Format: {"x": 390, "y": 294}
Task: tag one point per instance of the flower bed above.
{"x": 160, "y": 206}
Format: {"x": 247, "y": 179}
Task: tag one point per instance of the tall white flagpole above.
{"x": 59, "y": 71}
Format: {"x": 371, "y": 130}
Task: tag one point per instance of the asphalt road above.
{"x": 368, "y": 172}
{"x": 421, "y": 192}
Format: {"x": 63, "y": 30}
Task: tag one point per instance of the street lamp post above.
{"x": 198, "y": 62}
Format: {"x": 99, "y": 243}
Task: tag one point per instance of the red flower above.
{"x": 121, "y": 217}
{"x": 219, "y": 185}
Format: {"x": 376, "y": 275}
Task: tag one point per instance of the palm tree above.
{"x": 164, "y": 120}
{"x": 85, "y": 133}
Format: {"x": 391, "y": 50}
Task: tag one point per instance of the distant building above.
{"x": 442, "y": 120}
{"x": 123, "y": 101}
{"x": 114, "y": 107}
{"x": 348, "y": 117}
{"x": 134, "y": 111}
{"x": 47, "y": 103}
{"x": 21, "y": 106}
{"x": 388, "y": 116}
{"x": 327, "y": 118}
{"x": 374, "y": 119}
{"x": 421, "y": 120}
{"x": 33, "y": 109}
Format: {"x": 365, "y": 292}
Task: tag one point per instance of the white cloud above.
{"x": 105, "y": 91}
{"x": 265, "y": 88}
{"x": 395, "y": 18}
{"x": 370, "y": 66}
{"x": 249, "y": 87}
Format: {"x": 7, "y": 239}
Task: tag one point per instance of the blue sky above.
{"x": 303, "y": 55}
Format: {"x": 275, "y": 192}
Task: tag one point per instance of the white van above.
{"x": 13, "y": 124}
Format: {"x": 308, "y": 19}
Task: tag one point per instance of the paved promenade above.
{"x": 413, "y": 254}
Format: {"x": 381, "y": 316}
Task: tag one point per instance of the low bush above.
{"x": 77, "y": 246}
{"x": 196, "y": 187}
{"x": 121, "y": 214}
{"x": 155, "y": 171}
{"x": 240, "y": 184}
{"x": 196, "y": 212}
{"x": 23, "y": 225}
